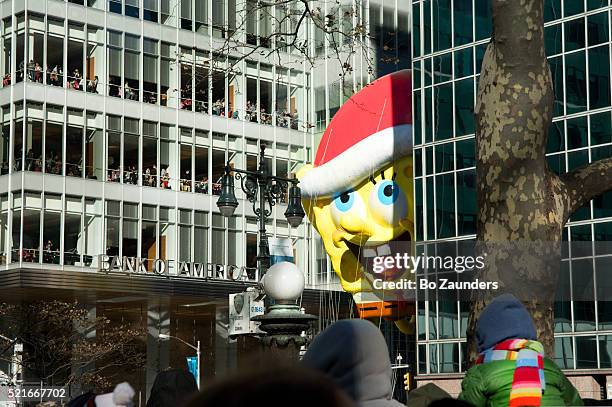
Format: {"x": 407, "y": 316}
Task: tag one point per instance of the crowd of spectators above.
{"x": 130, "y": 175}
{"x": 34, "y": 71}
{"x": 150, "y": 175}
{"x": 253, "y": 113}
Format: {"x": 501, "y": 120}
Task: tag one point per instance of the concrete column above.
{"x": 158, "y": 350}
{"x": 89, "y": 334}
{"x": 225, "y": 348}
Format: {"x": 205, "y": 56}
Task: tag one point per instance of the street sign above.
{"x": 192, "y": 366}
{"x": 243, "y": 307}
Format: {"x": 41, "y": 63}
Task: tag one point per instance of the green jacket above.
{"x": 489, "y": 384}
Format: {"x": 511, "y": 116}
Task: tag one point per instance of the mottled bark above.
{"x": 519, "y": 198}
{"x": 587, "y": 182}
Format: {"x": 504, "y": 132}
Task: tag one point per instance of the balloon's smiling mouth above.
{"x": 365, "y": 254}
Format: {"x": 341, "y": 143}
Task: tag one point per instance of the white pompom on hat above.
{"x": 123, "y": 394}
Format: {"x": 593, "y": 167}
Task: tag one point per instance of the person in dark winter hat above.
{"x": 504, "y": 318}
{"x": 354, "y": 354}
{"x": 425, "y": 395}
{"x": 172, "y": 387}
{"x": 273, "y": 386}
{"x": 511, "y": 369}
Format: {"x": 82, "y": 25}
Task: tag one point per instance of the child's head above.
{"x": 504, "y": 318}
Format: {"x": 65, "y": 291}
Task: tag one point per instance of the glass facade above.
{"x": 119, "y": 152}
{"x": 119, "y": 117}
{"x": 115, "y": 135}
{"x": 145, "y": 67}
{"x": 449, "y": 41}
{"x": 132, "y": 104}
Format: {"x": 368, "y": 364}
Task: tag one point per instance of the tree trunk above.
{"x": 522, "y": 205}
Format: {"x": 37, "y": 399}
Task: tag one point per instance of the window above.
{"x": 166, "y": 234}
{"x": 150, "y": 78}
{"x": 168, "y": 77}
{"x": 74, "y": 145}
{"x": 218, "y": 85}
{"x": 131, "y": 167}
{"x": 443, "y": 102}
{"x": 115, "y": 64}
{"x": 150, "y": 10}
{"x": 75, "y": 67}
{"x": 464, "y": 107}
{"x": 53, "y": 141}
{"x": 218, "y": 239}
{"x": 185, "y": 222}
{"x": 148, "y": 234}
{"x": 55, "y": 52}
{"x": 34, "y": 142}
{"x": 73, "y": 244}
{"x": 201, "y": 17}
{"x": 463, "y": 22}
{"x": 586, "y": 352}
{"x": 167, "y": 159}
{"x": 564, "y": 353}
{"x": 556, "y": 69}
{"x": 577, "y": 133}
{"x": 115, "y": 6}
{"x": 94, "y": 146}
{"x": 131, "y": 86}
{"x": 149, "y": 154}
{"x": 130, "y": 230}
{"x": 4, "y": 231}
{"x": 599, "y": 77}
{"x": 574, "y": 34}
{"x": 113, "y": 159}
{"x": 186, "y": 63}
{"x": 20, "y": 48}
{"x": 5, "y": 142}
{"x": 200, "y": 237}
{"x": 201, "y": 78}
{"x": 201, "y": 170}
{"x": 131, "y": 8}
{"x": 186, "y": 167}
{"x": 575, "y": 82}
{"x": 36, "y": 44}
{"x": 466, "y": 201}
{"x": 113, "y": 218}
{"x": 186, "y": 15}
{"x": 94, "y": 62}
{"x": 6, "y": 51}
{"x": 168, "y": 13}
{"x": 218, "y": 18}
{"x": 31, "y": 228}
{"x": 92, "y": 232}
{"x": 597, "y": 28}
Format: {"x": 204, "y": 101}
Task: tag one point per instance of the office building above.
{"x": 118, "y": 120}
{"x": 449, "y": 41}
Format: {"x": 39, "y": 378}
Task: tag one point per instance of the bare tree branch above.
{"x": 585, "y": 183}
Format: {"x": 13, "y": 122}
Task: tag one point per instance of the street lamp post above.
{"x": 283, "y": 322}
{"x": 196, "y": 348}
{"x": 262, "y": 189}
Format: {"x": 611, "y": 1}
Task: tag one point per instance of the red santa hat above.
{"x": 372, "y": 129}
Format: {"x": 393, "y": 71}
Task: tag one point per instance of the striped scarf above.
{"x": 528, "y": 383}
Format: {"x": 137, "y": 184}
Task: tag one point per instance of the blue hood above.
{"x": 504, "y": 318}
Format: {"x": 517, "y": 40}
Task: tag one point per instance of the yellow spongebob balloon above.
{"x": 359, "y": 192}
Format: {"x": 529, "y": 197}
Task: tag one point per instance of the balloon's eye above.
{"x": 344, "y": 201}
{"x": 388, "y": 202}
{"x": 387, "y": 192}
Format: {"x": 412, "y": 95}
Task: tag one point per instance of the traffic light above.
{"x": 407, "y": 381}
